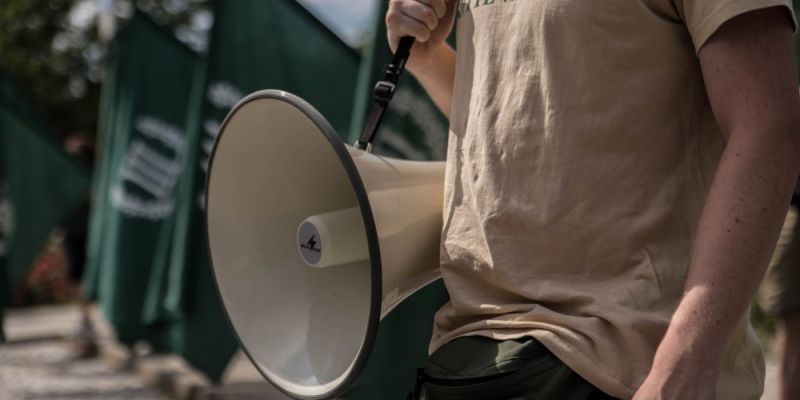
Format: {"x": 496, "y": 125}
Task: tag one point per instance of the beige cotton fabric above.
{"x": 581, "y": 150}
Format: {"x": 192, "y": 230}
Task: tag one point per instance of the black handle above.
{"x": 403, "y": 50}
{"x": 384, "y": 91}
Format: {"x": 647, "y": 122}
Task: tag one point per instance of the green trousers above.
{"x": 478, "y": 368}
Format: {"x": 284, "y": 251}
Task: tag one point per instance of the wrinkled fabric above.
{"x": 581, "y": 150}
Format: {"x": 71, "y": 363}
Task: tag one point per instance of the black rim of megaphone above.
{"x": 369, "y": 226}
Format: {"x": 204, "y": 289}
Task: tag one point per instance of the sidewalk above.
{"x": 38, "y": 363}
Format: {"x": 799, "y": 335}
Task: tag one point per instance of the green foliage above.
{"x": 35, "y": 33}
{"x": 51, "y": 48}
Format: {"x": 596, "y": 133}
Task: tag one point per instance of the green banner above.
{"x": 255, "y": 45}
{"x": 40, "y": 186}
{"x": 143, "y": 144}
{"x": 104, "y": 143}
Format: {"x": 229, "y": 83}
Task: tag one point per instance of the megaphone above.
{"x": 313, "y": 241}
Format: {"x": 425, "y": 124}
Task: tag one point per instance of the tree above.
{"x": 51, "y": 48}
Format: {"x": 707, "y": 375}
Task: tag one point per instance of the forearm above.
{"x": 735, "y": 237}
{"x": 749, "y": 75}
{"x": 437, "y": 77}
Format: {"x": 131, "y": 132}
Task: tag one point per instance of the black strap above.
{"x": 416, "y": 394}
{"x": 384, "y": 91}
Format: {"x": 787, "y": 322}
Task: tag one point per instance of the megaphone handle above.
{"x": 384, "y": 91}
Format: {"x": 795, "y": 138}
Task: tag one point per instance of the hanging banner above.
{"x": 143, "y": 143}
{"x": 254, "y": 46}
{"x": 40, "y": 185}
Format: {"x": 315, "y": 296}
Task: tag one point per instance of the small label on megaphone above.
{"x": 332, "y": 238}
{"x": 310, "y": 243}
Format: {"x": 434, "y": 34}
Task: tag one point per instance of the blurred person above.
{"x": 617, "y": 174}
{"x": 76, "y": 230}
{"x": 780, "y": 299}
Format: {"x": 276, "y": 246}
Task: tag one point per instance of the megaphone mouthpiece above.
{"x": 333, "y": 238}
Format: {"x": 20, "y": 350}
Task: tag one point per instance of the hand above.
{"x": 659, "y": 387}
{"x": 428, "y": 21}
{"x": 678, "y": 374}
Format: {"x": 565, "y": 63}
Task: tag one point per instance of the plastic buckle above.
{"x": 363, "y": 146}
{"x": 384, "y": 91}
{"x": 392, "y": 70}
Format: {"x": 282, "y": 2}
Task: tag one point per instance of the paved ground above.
{"x": 39, "y": 364}
{"x": 49, "y": 370}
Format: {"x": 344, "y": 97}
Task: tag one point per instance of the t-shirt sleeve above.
{"x": 704, "y": 17}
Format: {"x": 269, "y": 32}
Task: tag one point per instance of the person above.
{"x": 780, "y": 293}
{"x": 780, "y": 299}
{"x": 617, "y": 174}
{"x": 75, "y": 229}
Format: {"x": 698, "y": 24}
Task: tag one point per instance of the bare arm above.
{"x": 438, "y": 80}
{"x": 749, "y": 74}
{"x": 432, "y": 60}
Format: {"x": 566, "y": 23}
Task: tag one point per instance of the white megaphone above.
{"x": 312, "y": 242}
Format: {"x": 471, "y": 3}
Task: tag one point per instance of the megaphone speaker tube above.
{"x": 333, "y": 238}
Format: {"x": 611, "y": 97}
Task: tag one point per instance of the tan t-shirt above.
{"x": 582, "y": 147}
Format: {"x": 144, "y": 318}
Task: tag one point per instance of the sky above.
{"x": 352, "y": 20}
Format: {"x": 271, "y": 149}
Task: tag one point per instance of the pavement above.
{"x": 39, "y": 363}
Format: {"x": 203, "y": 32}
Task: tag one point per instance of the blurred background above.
{"x": 108, "y": 112}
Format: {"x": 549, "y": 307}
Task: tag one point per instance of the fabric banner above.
{"x": 254, "y": 46}
{"x": 143, "y": 143}
{"x": 104, "y": 143}
{"x": 40, "y": 186}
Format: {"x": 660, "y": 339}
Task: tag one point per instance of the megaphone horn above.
{"x": 312, "y": 241}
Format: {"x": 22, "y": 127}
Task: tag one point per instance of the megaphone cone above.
{"x": 312, "y": 242}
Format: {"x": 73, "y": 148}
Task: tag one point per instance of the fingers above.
{"x": 438, "y": 6}
{"x": 413, "y": 18}
{"x": 400, "y": 26}
{"x": 422, "y": 12}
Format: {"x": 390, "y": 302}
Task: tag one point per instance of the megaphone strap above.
{"x": 383, "y": 92}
